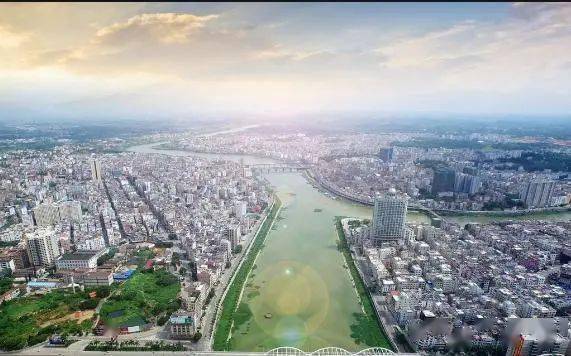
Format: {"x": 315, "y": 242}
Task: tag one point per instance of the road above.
{"x": 212, "y": 309}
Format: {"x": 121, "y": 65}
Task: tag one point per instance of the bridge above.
{"x": 276, "y": 167}
{"x": 366, "y": 201}
{"x": 293, "y": 351}
{"x": 332, "y": 157}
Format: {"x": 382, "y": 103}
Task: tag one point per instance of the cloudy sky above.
{"x": 181, "y": 60}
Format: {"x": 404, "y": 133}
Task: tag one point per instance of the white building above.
{"x": 240, "y": 209}
{"x": 94, "y": 244}
{"x": 43, "y": 247}
{"x": 78, "y": 260}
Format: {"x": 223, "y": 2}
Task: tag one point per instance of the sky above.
{"x": 182, "y": 60}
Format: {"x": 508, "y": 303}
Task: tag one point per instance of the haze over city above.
{"x": 179, "y": 60}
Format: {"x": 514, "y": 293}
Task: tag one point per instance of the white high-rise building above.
{"x": 240, "y": 209}
{"x": 96, "y": 171}
{"x": 389, "y": 217}
{"x": 43, "y": 248}
{"x": 537, "y": 194}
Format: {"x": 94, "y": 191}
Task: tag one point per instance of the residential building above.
{"x": 43, "y": 247}
{"x": 389, "y": 217}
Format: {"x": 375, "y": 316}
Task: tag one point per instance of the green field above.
{"x": 230, "y": 303}
{"x": 30, "y": 320}
{"x": 146, "y": 297}
{"x": 368, "y": 329}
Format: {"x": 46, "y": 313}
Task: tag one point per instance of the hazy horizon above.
{"x": 277, "y": 61}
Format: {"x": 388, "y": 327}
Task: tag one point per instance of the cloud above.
{"x": 526, "y": 49}
{"x": 217, "y": 58}
{"x": 164, "y": 27}
{"x": 11, "y": 39}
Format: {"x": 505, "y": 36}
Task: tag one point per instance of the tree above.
{"x": 162, "y": 320}
{"x": 89, "y": 304}
{"x": 175, "y": 259}
{"x": 197, "y": 336}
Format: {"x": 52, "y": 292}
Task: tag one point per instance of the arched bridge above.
{"x": 293, "y": 351}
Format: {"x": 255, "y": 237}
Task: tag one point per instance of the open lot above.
{"x": 30, "y": 320}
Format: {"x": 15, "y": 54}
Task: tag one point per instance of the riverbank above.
{"x": 370, "y": 329}
{"x": 460, "y": 217}
{"x": 223, "y": 326}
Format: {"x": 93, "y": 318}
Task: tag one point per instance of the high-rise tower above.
{"x": 389, "y": 217}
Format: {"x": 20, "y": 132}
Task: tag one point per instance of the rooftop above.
{"x": 70, "y": 256}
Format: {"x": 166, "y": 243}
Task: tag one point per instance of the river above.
{"x": 299, "y": 294}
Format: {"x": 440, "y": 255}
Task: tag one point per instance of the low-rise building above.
{"x": 181, "y": 326}
{"x": 78, "y": 260}
{"x": 98, "y": 279}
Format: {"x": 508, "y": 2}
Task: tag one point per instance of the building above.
{"x": 96, "y": 171}
{"x": 46, "y": 214}
{"x": 18, "y": 255}
{"x": 537, "y": 194}
{"x": 98, "y": 278}
{"x": 240, "y": 209}
{"x": 78, "y": 260}
{"x": 386, "y": 153}
{"x": 233, "y": 235}
{"x": 7, "y": 264}
{"x": 389, "y": 217}
{"x": 181, "y": 326}
{"x": 43, "y": 247}
{"x": 466, "y": 183}
{"x": 444, "y": 180}
{"x": 94, "y": 244}
{"x": 70, "y": 210}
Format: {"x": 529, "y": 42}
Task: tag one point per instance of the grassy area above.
{"x": 30, "y": 320}
{"x": 143, "y": 298}
{"x": 230, "y": 303}
{"x": 142, "y": 256}
{"x": 367, "y": 328}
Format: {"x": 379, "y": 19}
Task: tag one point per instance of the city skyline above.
{"x": 181, "y": 60}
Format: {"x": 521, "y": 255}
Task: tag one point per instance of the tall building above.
{"x": 444, "y": 180}
{"x": 240, "y": 209}
{"x": 386, "y": 153}
{"x": 389, "y": 217}
{"x": 43, "y": 248}
{"x": 467, "y": 183}
{"x": 537, "y": 194}
{"x": 96, "y": 171}
{"x": 233, "y": 235}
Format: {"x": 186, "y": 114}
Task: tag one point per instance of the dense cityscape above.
{"x": 96, "y": 227}
{"x": 285, "y": 179}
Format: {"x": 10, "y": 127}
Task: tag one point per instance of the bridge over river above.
{"x": 277, "y": 167}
